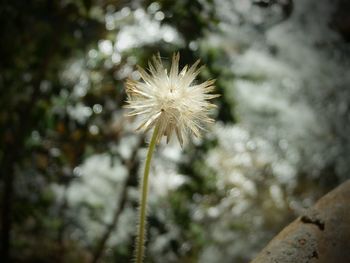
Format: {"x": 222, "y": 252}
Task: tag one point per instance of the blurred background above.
{"x": 70, "y": 160}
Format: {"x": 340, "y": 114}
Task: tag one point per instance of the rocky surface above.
{"x": 321, "y": 235}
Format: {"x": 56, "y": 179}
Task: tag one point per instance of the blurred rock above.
{"x": 321, "y": 235}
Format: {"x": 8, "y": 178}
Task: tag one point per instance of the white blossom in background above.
{"x": 290, "y": 95}
{"x": 139, "y": 28}
{"x": 284, "y": 95}
{"x": 97, "y": 188}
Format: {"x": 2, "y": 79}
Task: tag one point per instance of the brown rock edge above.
{"x": 321, "y": 235}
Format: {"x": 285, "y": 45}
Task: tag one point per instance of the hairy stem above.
{"x": 140, "y": 238}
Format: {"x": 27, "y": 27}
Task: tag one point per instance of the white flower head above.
{"x": 170, "y": 101}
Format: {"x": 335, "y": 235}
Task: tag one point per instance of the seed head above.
{"x": 171, "y": 101}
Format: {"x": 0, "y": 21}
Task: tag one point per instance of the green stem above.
{"x": 140, "y": 239}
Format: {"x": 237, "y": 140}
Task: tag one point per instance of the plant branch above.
{"x": 140, "y": 239}
{"x": 132, "y": 165}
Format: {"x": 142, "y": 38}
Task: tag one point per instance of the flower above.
{"x": 170, "y": 101}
